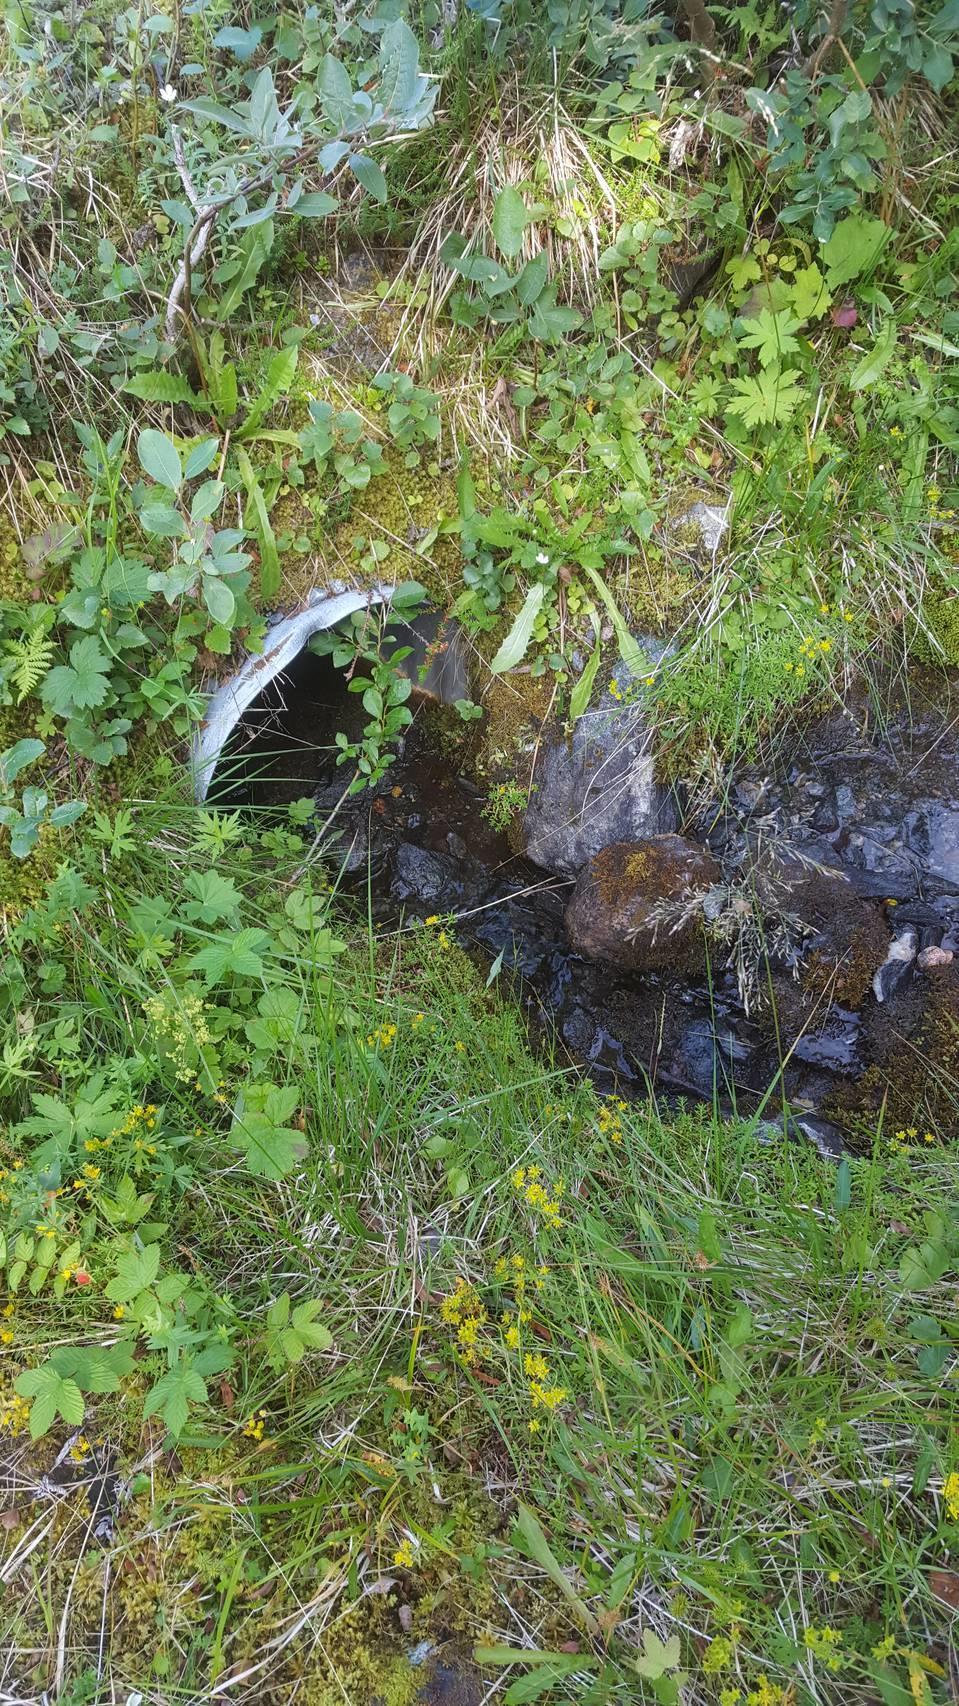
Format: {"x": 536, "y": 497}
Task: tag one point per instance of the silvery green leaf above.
{"x": 399, "y": 62}
{"x": 335, "y": 90}
{"x": 369, "y": 174}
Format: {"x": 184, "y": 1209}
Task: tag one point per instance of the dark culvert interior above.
{"x": 418, "y": 843}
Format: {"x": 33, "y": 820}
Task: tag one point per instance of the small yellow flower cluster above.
{"x": 405, "y": 1555}
{"x": 610, "y": 1118}
{"x": 825, "y": 1644}
{"x": 255, "y": 1427}
{"x": 463, "y": 1310}
{"x": 547, "y": 1397}
{"x": 86, "y": 1180}
{"x": 901, "y": 1139}
{"x": 140, "y": 1119}
{"x": 383, "y": 1037}
{"x": 527, "y": 1183}
{"x": 417, "y": 1020}
{"x": 515, "y": 1271}
{"x": 615, "y": 690}
{"x": 933, "y": 493}
{"x": 767, "y": 1693}
{"x": 7, "y": 1333}
{"x": 950, "y": 1493}
{"x": 80, "y": 1450}
{"x": 718, "y": 1654}
{"x": 810, "y": 650}
{"x": 14, "y": 1414}
{"x": 178, "y": 1021}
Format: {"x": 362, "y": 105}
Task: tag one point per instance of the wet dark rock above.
{"x": 611, "y": 914}
{"x": 422, "y": 875}
{"x": 834, "y": 1042}
{"x": 897, "y": 967}
{"x": 595, "y": 788}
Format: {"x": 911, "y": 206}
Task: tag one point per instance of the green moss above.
{"x": 941, "y": 616}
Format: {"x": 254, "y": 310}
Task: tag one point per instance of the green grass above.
{"x": 751, "y": 1405}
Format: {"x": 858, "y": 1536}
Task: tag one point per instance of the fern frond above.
{"x": 29, "y": 658}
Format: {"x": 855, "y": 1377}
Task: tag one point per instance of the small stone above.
{"x": 934, "y": 956}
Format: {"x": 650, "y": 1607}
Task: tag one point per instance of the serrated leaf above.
{"x": 771, "y": 336}
{"x": 136, "y": 1272}
{"x": 516, "y": 644}
{"x": 279, "y": 376}
{"x": 510, "y": 219}
{"x": 53, "y": 1395}
{"x": 875, "y": 362}
{"x": 238, "y": 954}
{"x": 161, "y": 387}
{"x": 766, "y": 400}
{"x": 172, "y": 1395}
{"x": 270, "y": 1146}
{"x": 854, "y": 247}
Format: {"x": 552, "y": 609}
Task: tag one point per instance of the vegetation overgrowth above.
{"x": 339, "y": 1330}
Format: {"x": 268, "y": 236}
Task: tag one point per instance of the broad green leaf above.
{"x": 582, "y": 692}
{"x": 316, "y": 205}
{"x": 201, "y": 457}
{"x": 271, "y": 1146}
{"x": 366, "y": 172}
{"x": 658, "y": 1656}
{"x": 238, "y": 955}
{"x": 52, "y": 1395}
{"x": 16, "y": 758}
{"x": 160, "y": 459}
{"x": 215, "y": 897}
{"x": 532, "y": 279}
{"x": 510, "y": 219}
{"x": 854, "y": 247}
{"x": 875, "y": 362}
{"x": 516, "y": 644}
{"x": 219, "y": 600}
{"x": 207, "y": 109}
{"x": 336, "y": 93}
{"x": 399, "y": 67}
{"x": 810, "y": 297}
{"x": 136, "y": 1272}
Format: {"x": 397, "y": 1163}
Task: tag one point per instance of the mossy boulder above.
{"x": 620, "y": 912}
